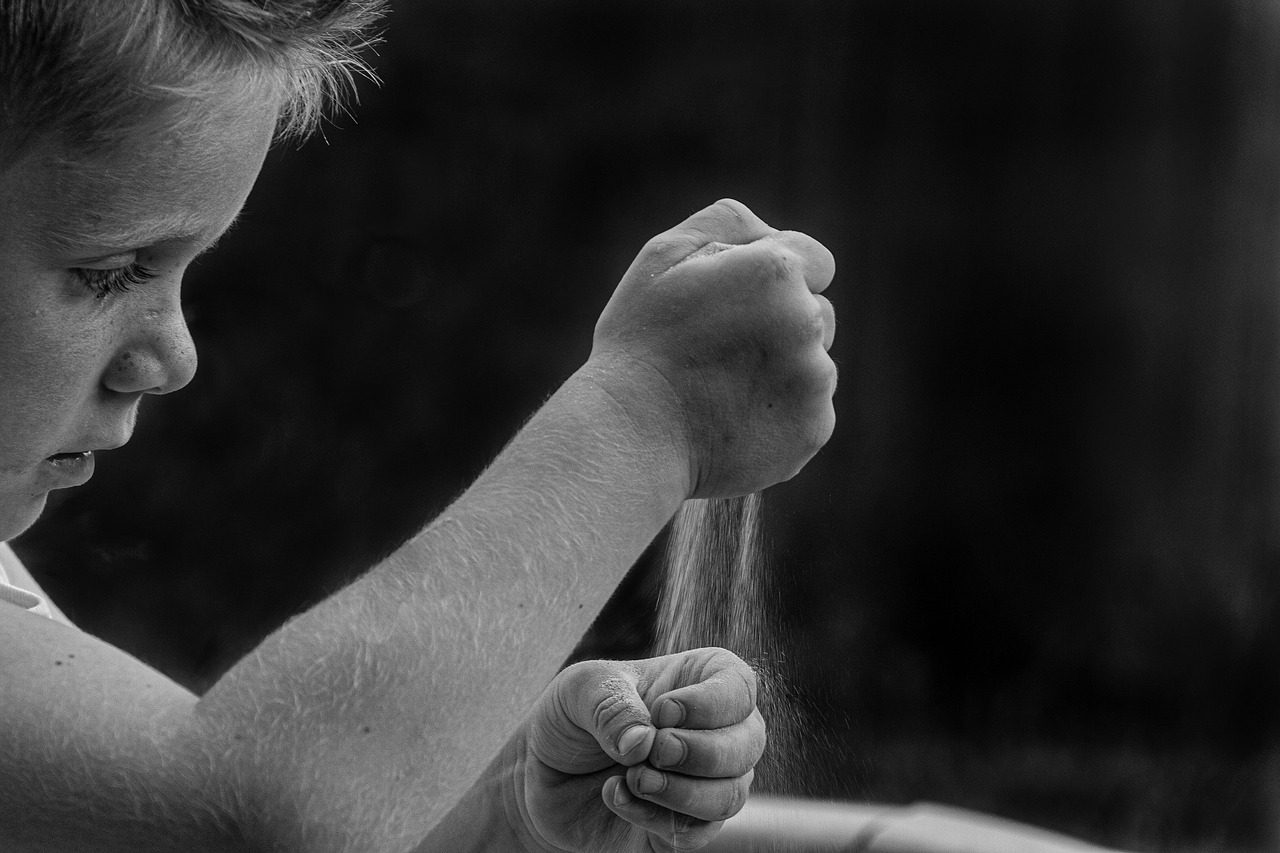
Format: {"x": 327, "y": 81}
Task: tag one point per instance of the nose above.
{"x": 156, "y": 355}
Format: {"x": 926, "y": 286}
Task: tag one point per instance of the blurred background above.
{"x": 1036, "y": 570}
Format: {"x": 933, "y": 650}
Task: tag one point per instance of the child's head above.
{"x": 131, "y": 132}
{"x": 82, "y": 74}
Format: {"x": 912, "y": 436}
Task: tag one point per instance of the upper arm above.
{"x": 100, "y": 752}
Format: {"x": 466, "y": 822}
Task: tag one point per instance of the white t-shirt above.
{"x": 18, "y": 587}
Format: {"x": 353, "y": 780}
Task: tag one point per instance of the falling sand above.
{"x": 717, "y": 591}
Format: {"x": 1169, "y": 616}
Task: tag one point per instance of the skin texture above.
{"x": 697, "y": 735}
{"x": 74, "y": 365}
{"x": 716, "y": 298}
{"x": 380, "y": 718}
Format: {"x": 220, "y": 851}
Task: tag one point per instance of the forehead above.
{"x": 184, "y": 181}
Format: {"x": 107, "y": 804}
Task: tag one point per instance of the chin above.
{"x": 17, "y": 514}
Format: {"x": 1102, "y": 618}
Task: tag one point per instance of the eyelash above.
{"x": 103, "y": 283}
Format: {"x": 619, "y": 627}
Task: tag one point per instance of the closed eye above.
{"x": 103, "y": 283}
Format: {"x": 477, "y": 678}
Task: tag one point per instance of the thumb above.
{"x": 593, "y": 704}
{"x": 725, "y": 223}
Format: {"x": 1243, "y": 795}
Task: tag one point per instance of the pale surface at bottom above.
{"x": 786, "y": 825}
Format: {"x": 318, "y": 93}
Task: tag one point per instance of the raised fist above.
{"x": 718, "y": 332}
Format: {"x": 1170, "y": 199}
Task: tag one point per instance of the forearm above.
{"x": 385, "y": 702}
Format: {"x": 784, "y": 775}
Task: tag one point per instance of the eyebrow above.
{"x": 69, "y": 236}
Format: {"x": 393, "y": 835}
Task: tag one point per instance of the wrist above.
{"x": 639, "y": 404}
{"x": 487, "y": 819}
{"x": 503, "y": 824}
{"x": 509, "y": 792}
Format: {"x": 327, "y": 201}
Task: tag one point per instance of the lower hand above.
{"x": 638, "y": 756}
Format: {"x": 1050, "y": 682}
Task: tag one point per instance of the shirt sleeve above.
{"x": 18, "y": 587}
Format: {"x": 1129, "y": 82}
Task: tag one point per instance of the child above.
{"x": 407, "y": 711}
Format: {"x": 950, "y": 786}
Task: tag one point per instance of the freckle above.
{"x": 73, "y": 657}
{"x": 579, "y": 606}
{"x": 365, "y": 729}
{"x": 520, "y": 605}
{"x": 57, "y": 663}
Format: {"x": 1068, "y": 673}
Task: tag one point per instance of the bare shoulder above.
{"x": 54, "y": 669}
{"x": 97, "y": 745}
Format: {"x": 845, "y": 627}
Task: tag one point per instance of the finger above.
{"x": 704, "y": 799}
{"x": 599, "y": 698}
{"x": 726, "y": 221}
{"x": 673, "y": 831}
{"x": 828, "y": 320}
{"x": 818, "y": 263}
{"x": 723, "y": 693}
{"x": 713, "y": 753}
{"x": 724, "y": 224}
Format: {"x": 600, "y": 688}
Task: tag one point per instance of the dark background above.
{"x": 1034, "y": 573}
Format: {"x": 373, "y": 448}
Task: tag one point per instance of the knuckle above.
{"x": 600, "y": 686}
{"x": 827, "y": 375}
{"x": 759, "y": 730}
{"x": 751, "y": 679}
{"x": 722, "y": 657}
{"x": 816, "y": 379}
{"x": 723, "y": 759}
{"x": 662, "y": 250}
{"x": 799, "y": 322}
{"x": 759, "y": 736}
{"x": 820, "y": 432}
{"x": 819, "y": 316}
{"x": 733, "y": 207}
{"x": 584, "y": 675}
{"x": 824, "y": 434}
{"x": 661, "y": 243}
{"x": 611, "y": 711}
{"x": 780, "y": 262}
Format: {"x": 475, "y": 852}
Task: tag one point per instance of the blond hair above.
{"x": 84, "y": 73}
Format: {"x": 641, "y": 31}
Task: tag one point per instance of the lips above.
{"x": 70, "y": 458}
{"x": 63, "y": 470}
{"x": 92, "y": 445}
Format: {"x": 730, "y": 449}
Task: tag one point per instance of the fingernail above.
{"x": 621, "y": 796}
{"x": 671, "y": 714}
{"x": 649, "y": 781}
{"x": 670, "y": 751}
{"x": 632, "y": 738}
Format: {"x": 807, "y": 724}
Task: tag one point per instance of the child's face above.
{"x": 92, "y": 254}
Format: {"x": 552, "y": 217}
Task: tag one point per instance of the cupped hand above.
{"x": 719, "y": 328}
{"x": 643, "y": 756}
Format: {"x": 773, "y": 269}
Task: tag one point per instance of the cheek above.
{"x": 49, "y": 373}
